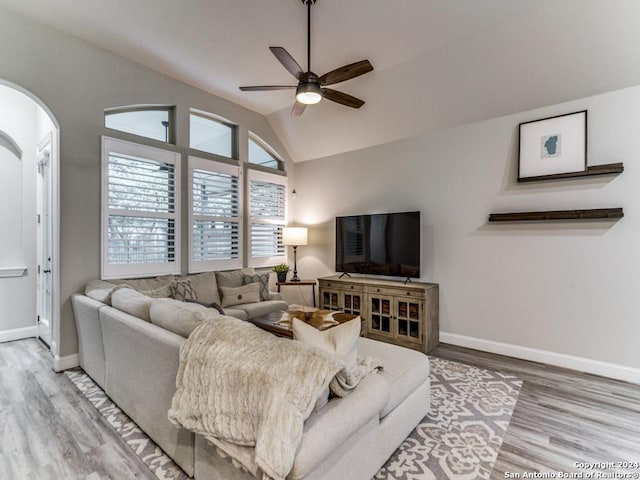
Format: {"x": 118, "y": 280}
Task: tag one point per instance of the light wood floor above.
{"x": 48, "y": 430}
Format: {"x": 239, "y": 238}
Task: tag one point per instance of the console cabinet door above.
{"x": 330, "y": 299}
{"x": 380, "y": 315}
{"x": 352, "y": 303}
{"x": 409, "y": 320}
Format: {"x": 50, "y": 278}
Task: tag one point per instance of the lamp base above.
{"x": 294, "y": 279}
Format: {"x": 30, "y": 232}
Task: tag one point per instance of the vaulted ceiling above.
{"x": 437, "y": 62}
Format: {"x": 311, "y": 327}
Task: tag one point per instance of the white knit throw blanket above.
{"x": 239, "y": 386}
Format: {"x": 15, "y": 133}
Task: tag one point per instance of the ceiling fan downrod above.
{"x": 308, "y": 3}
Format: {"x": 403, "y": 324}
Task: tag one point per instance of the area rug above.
{"x": 459, "y": 439}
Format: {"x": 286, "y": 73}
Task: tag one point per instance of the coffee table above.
{"x": 268, "y": 322}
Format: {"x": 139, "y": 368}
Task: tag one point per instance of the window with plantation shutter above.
{"x": 140, "y": 210}
{"x": 268, "y": 214}
{"x": 215, "y": 239}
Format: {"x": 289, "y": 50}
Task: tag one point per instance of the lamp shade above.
{"x": 294, "y": 236}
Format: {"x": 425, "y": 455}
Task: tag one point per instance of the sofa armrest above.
{"x": 338, "y": 420}
{"x": 141, "y": 365}
{"x": 275, "y": 296}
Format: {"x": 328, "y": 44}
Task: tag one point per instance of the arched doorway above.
{"x": 29, "y": 178}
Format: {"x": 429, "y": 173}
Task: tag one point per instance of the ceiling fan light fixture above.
{"x": 308, "y": 93}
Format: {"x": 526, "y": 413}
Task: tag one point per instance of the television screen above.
{"x": 379, "y": 244}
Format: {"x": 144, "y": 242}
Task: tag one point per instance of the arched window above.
{"x": 260, "y": 153}
{"x": 212, "y": 134}
{"x": 149, "y": 121}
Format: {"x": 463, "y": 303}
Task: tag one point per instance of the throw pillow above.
{"x": 261, "y": 279}
{"x": 341, "y": 340}
{"x": 182, "y": 289}
{"x": 240, "y": 295}
{"x": 164, "y": 291}
{"x": 205, "y": 286}
{"x": 232, "y": 278}
{"x": 146, "y": 284}
{"x": 320, "y": 319}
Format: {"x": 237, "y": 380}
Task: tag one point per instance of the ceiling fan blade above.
{"x": 346, "y": 72}
{"x": 267, "y": 87}
{"x": 342, "y": 98}
{"x": 288, "y": 62}
{"x": 297, "y": 109}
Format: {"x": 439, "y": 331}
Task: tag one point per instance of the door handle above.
{"x": 46, "y": 271}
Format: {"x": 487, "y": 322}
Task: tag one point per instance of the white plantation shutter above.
{"x": 140, "y": 215}
{"x": 268, "y": 214}
{"x": 215, "y": 240}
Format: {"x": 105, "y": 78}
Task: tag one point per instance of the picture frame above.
{"x": 552, "y": 147}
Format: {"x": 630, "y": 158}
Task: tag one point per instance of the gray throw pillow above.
{"x": 182, "y": 289}
{"x": 261, "y": 279}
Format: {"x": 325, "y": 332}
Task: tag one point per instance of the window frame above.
{"x": 221, "y": 120}
{"x": 170, "y": 109}
{"x": 135, "y": 270}
{"x": 269, "y": 177}
{"x": 197, "y": 163}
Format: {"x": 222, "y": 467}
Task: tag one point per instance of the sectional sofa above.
{"x": 135, "y": 359}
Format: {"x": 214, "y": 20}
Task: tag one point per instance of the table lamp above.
{"x": 294, "y": 236}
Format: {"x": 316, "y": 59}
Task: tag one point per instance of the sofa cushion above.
{"x": 239, "y": 295}
{"x": 182, "y": 289}
{"x": 179, "y": 317}
{"x": 236, "y": 313}
{"x": 261, "y": 279}
{"x": 132, "y": 302}
{"x": 207, "y": 305}
{"x": 205, "y": 286}
{"x": 253, "y": 310}
{"x": 232, "y": 278}
{"x": 146, "y": 284}
{"x": 402, "y": 368}
{"x": 100, "y": 290}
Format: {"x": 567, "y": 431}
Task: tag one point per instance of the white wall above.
{"x": 566, "y": 288}
{"x": 19, "y": 119}
{"x": 78, "y": 82}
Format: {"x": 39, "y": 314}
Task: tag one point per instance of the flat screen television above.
{"x": 379, "y": 244}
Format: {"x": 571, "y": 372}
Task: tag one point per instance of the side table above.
{"x": 311, "y": 283}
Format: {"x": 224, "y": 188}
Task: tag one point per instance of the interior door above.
{"x": 44, "y": 241}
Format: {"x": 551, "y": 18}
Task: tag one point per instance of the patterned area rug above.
{"x": 458, "y": 440}
{"x": 461, "y": 436}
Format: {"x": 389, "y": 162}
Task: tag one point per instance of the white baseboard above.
{"x": 596, "y": 367}
{"x": 65, "y": 363}
{"x": 18, "y": 334}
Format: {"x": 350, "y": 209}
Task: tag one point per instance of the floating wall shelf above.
{"x": 611, "y": 168}
{"x": 552, "y": 215}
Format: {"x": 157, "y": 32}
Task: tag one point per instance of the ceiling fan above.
{"x": 311, "y": 88}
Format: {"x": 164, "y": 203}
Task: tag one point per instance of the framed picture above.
{"x": 553, "y": 146}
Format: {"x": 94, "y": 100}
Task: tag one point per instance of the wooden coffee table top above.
{"x": 268, "y": 322}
